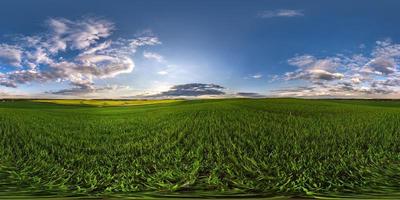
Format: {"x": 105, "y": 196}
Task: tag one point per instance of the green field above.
{"x": 260, "y": 147}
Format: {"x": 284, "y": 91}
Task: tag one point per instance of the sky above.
{"x": 199, "y": 49}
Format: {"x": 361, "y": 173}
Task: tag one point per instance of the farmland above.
{"x": 105, "y": 103}
{"x": 266, "y": 147}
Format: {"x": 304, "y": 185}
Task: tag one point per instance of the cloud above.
{"x": 250, "y": 95}
{"x": 168, "y": 69}
{"x": 315, "y": 74}
{"x": 192, "y": 90}
{"x": 73, "y": 91}
{"x": 8, "y": 84}
{"x": 154, "y": 56}
{"x": 311, "y": 68}
{"x": 356, "y": 75}
{"x": 257, "y": 76}
{"x": 310, "y": 62}
{"x": 340, "y": 90}
{"x": 10, "y": 54}
{"x": 381, "y": 65}
{"x": 78, "y": 52}
{"x": 162, "y": 72}
{"x": 145, "y": 41}
{"x": 254, "y": 76}
{"x": 13, "y": 95}
{"x": 99, "y": 47}
{"x": 78, "y": 34}
{"x": 112, "y": 91}
{"x": 280, "y": 13}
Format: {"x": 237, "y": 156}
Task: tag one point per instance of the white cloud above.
{"x": 280, "y": 13}
{"x": 310, "y": 62}
{"x": 166, "y": 68}
{"x": 254, "y": 76}
{"x": 154, "y": 56}
{"x": 145, "y": 41}
{"x": 94, "y": 54}
{"x": 162, "y": 72}
{"x": 374, "y": 75}
{"x": 257, "y": 76}
{"x": 78, "y": 34}
{"x": 99, "y": 47}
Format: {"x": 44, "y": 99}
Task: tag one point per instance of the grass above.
{"x": 289, "y": 147}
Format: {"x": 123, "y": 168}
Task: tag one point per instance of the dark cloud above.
{"x": 72, "y": 91}
{"x": 388, "y": 83}
{"x": 313, "y": 75}
{"x": 78, "y": 89}
{"x": 192, "y": 90}
{"x": 10, "y": 54}
{"x": 383, "y": 65}
{"x": 89, "y": 89}
{"x": 250, "y": 94}
{"x": 8, "y": 84}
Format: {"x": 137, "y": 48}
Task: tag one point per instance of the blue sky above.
{"x": 121, "y": 49}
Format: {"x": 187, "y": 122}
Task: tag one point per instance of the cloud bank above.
{"x": 191, "y": 90}
{"x": 249, "y": 95}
